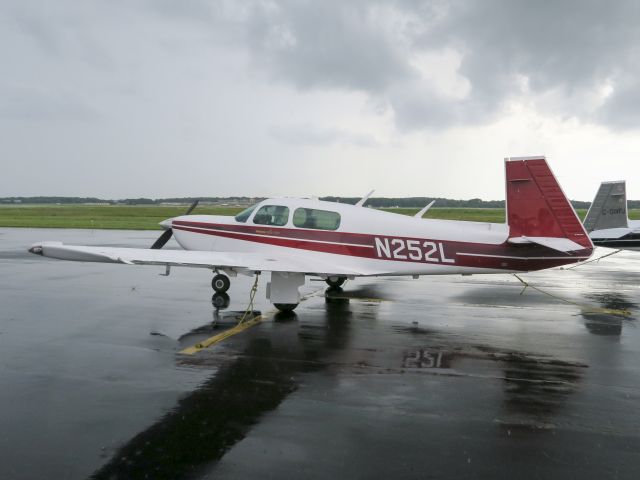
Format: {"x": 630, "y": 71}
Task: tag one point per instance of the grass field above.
{"x": 98, "y": 216}
{"x": 147, "y": 217}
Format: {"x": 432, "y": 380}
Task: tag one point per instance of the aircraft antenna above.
{"x": 424, "y": 210}
{"x": 364, "y": 199}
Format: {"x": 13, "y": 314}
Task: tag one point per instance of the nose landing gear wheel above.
{"x": 285, "y": 307}
{"x": 220, "y": 283}
{"x": 335, "y": 282}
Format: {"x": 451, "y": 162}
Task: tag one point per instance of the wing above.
{"x": 242, "y": 262}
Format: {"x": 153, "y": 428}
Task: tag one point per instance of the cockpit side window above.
{"x": 317, "y": 219}
{"x": 244, "y": 215}
{"x": 275, "y": 215}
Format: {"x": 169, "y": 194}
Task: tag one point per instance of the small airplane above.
{"x": 607, "y": 220}
{"x": 295, "y": 237}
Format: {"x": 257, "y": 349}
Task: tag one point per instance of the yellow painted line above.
{"x": 608, "y": 311}
{"x": 585, "y": 308}
{"x": 241, "y": 327}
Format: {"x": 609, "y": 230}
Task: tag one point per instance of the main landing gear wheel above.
{"x": 285, "y": 307}
{"x": 335, "y": 282}
{"x": 220, "y": 283}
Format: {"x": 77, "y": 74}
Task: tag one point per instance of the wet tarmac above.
{"x": 441, "y": 377}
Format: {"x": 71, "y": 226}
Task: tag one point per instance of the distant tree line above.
{"x": 68, "y": 200}
{"x": 126, "y": 201}
{"x": 377, "y": 202}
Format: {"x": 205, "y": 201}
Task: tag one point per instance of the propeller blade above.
{"x": 193, "y": 205}
{"x": 168, "y": 233}
{"x": 162, "y": 239}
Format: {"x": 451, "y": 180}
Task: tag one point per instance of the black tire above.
{"x": 220, "y": 283}
{"x": 220, "y": 301}
{"x": 285, "y": 307}
{"x": 335, "y": 282}
{"x": 332, "y": 295}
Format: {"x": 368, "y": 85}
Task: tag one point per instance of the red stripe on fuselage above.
{"x": 480, "y": 255}
{"x": 299, "y": 233}
{"x": 317, "y": 246}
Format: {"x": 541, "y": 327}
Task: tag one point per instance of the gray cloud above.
{"x": 314, "y": 135}
{"x": 572, "y": 47}
{"x": 324, "y": 45}
{"x": 98, "y": 95}
{"x": 564, "y": 51}
{"x": 38, "y": 105}
{"x": 561, "y": 55}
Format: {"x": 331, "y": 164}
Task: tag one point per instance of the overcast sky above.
{"x": 159, "y": 98}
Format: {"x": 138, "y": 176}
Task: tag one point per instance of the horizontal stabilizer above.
{"x": 555, "y": 243}
{"x": 611, "y": 233}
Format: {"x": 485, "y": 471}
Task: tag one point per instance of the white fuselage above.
{"x": 367, "y": 240}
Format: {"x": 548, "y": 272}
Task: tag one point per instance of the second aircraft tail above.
{"x": 609, "y": 207}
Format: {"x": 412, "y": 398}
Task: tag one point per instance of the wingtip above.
{"x": 36, "y": 249}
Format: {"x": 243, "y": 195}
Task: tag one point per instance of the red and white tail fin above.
{"x": 538, "y": 211}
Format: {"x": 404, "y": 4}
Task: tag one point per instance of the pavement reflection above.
{"x": 208, "y": 422}
{"x": 599, "y": 323}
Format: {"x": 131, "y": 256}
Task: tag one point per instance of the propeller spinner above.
{"x": 168, "y": 233}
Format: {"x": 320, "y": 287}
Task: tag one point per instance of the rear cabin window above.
{"x": 318, "y": 219}
{"x": 244, "y": 215}
{"x": 272, "y": 215}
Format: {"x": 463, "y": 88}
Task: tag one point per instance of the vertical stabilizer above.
{"x": 536, "y": 205}
{"x": 609, "y": 207}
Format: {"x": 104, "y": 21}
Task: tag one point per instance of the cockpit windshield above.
{"x": 277, "y": 215}
{"x": 244, "y": 215}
